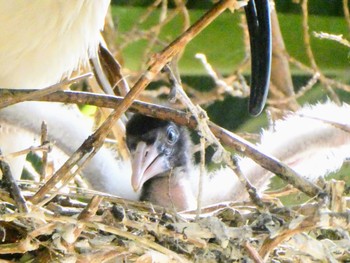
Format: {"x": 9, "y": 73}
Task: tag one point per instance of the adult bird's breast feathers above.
{"x": 43, "y": 41}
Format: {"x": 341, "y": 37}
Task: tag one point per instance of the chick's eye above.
{"x": 172, "y": 135}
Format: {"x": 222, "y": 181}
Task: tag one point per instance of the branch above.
{"x": 182, "y": 118}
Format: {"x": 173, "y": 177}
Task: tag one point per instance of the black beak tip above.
{"x": 258, "y": 97}
{"x": 255, "y": 110}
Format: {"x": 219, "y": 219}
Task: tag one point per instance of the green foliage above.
{"x": 316, "y": 7}
{"x": 223, "y": 45}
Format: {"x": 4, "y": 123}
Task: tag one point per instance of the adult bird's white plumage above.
{"x": 42, "y": 42}
{"x": 310, "y": 141}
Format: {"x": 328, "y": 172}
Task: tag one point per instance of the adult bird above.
{"x": 43, "y": 42}
{"x": 164, "y": 172}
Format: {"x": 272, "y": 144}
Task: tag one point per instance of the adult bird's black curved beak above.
{"x": 259, "y": 27}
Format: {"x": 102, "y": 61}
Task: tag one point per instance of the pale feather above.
{"x": 42, "y": 41}
{"x": 67, "y": 129}
{"x": 312, "y": 147}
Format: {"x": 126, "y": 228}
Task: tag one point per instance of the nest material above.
{"x": 85, "y": 226}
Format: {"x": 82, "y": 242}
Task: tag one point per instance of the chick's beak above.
{"x": 146, "y": 162}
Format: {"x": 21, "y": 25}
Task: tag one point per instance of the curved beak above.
{"x": 259, "y": 26}
{"x": 146, "y": 163}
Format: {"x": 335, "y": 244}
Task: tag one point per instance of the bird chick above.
{"x": 312, "y": 141}
{"x": 161, "y": 161}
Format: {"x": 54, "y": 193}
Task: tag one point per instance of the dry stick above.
{"x": 182, "y": 118}
{"x": 266, "y": 161}
{"x": 322, "y": 77}
{"x": 312, "y": 216}
{"x": 346, "y": 12}
{"x": 51, "y": 218}
{"x": 65, "y": 180}
{"x": 332, "y": 37}
{"x": 253, "y": 254}
{"x": 12, "y": 99}
{"x": 41, "y": 148}
{"x": 88, "y": 212}
{"x": 185, "y": 14}
{"x": 316, "y": 218}
{"x": 95, "y": 141}
{"x": 201, "y": 176}
{"x": 220, "y": 83}
{"x": 306, "y": 36}
{"x": 281, "y": 87}
{"x": 43, "y": 140}
{"x": 12, "y": 187}
{"x": 235, "y": 85}
{"x": 150, "y": 9}
{"x": 147, "y": 243}
{"x": 156, "y": 30}
{"x": 309, "y": 85}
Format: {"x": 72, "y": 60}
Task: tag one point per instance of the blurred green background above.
{"x": 317, "y": 7}
{"x": 222, "y": 43}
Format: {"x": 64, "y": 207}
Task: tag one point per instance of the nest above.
{"x": 86, "y": 226}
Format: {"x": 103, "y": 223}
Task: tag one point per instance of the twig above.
{"x": 43, "y": 140}
{"x": 214, "y": 75}
{"x": 12, "y": 99}
{"x": 185, "y": 14}
{"x": 88, "y": 212}
{"x": 324, "y": 80}
{"x": 155, "y": 31}
{"x": 346, "y": 12}
{"x": 11, "y": 185}
{"x": 147, "y": 243}
{"x": 337, "y": 38}
{"x": 311, "y": 83}
{"x": 311, "y": 220}
{"x": 266, "y": 161}
{"x": 306, "y": 35}
{"x": 202, "y": 174}
{"x": 68, "y": 175}
{"x": 253, "y": 254}
{"x": 42, "y": 148}
{"x": 281, "y": 85}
